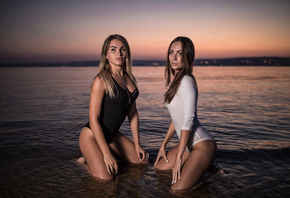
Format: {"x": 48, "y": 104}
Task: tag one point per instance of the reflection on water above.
{"x": 246, "y": 109}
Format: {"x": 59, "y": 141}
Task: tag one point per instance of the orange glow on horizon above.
{"x": 218, "y": 29}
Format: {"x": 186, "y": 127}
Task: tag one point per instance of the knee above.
{"x": 177, "y": 188}
{"x": 137, "y": 161}
{"x": 103, "y": 177}
{"x": 163, "y": 165}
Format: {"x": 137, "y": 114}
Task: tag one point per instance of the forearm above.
{"x": 133, "y": 118}
{"x": 99, "y": 137}
{"x": 169, "y": 134}
{"x": 134, "y": 125}
{"x": 184, "y": 137}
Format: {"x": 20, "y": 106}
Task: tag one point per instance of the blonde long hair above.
{"x": 187, "y": 61}
{"x": 105, "y": 71}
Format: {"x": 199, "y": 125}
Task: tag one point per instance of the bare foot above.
{"x": 81, "y": 161}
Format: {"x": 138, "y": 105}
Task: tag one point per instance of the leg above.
{"x": 171, "y": 155}
{"x": 124, "y": 149}
{"x": 93, "y": 156}
{"x": 195, "y": 166}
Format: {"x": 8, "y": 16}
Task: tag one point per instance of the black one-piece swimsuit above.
{"x": 115, "y": 110}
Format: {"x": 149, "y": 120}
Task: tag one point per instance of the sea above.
{"x": 43, "y": 109}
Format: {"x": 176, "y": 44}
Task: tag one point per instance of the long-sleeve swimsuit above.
{"x": 183, "y": 112}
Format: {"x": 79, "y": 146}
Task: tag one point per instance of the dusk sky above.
{"x": 74, "y": 30}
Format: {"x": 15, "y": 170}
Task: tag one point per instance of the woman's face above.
{"x": 175, "y": 55}
{"x": 117, "y": 53}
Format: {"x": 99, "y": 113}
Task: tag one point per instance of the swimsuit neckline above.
{"x": 129, "y": 93}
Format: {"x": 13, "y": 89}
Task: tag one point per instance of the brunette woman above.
{"x": 194, "y": 153}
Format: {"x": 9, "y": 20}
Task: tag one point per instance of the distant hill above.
{"x": 243, "y": 61}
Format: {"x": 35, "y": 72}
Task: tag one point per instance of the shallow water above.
{"x": 246, "y": 109}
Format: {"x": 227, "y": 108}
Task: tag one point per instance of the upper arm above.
{"x": 132, "y": 111}
{"x": 189, "y": 96}
{"x": 96, "y": 98}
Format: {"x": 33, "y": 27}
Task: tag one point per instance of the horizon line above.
{"x": 238, "y": 61}
{"x": 144, "y": 60}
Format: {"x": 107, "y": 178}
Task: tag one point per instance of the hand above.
{"x": 111, "y": 163}
{"x": 176, "y": 170}
{"x": 161, "y": 153}
{"x": 141, "y": 152}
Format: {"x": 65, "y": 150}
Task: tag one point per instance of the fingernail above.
{"x": 171, "y": 182}
{"x": 167, "y": 161}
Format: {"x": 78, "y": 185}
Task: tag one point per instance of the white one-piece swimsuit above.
{"x": 183, "y": 113}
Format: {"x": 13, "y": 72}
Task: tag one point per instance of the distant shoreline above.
{"x": 243, "y": 61}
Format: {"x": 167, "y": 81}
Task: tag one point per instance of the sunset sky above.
{"x": 74, "y": 30}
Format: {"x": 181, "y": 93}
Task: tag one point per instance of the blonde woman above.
{"x": 194, "y": 153}
{"x": 112, "y": 99}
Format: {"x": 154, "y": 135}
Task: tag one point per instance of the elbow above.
{"x": 188, "y": 124}
{"x": 94, "y": 120}
{"x": 132, "y": 116}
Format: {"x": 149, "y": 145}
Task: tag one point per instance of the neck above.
{"x": 117, "y": 71}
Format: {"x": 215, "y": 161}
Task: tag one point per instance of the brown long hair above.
{"x": 187, "y": 61}
{"x": 105, "y": 71}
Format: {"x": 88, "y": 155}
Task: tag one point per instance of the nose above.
{"x": 120, "y": 52}
{"x": 174, "y": 56}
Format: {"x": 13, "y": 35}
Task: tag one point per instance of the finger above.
{"x": 165, "y": 158}
{"x": 108, "y": 169}
{"x": 157, "y": 160}
{"x": 178, "y": 174}
{"x": 138, "y": 154}
{"x": 116, "y": 168}
{"x": 173, "y": 176}
{"x": 143, "y": 156}
{"x": 113, "y": 171}
{"x": 147, "y": 156}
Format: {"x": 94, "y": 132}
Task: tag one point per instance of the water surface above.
{"x": 246, "y": 109}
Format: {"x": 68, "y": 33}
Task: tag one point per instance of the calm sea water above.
{"x": 42, "y": 110}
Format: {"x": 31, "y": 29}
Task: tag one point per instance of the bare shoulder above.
{"x": 98, "y": 84}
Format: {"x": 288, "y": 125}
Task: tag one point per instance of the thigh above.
{"x": 93, "y": 155}
{"x": 124, "y": 149}
{"x": 171, "y": 155}
{"x": 196, "y": 165}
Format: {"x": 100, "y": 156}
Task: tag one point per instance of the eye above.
{"x": 180, "y": 53}
{"x": 123, "y": 50}
{"x": 170, "y": 52}
{"x": 113, "y": 49}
